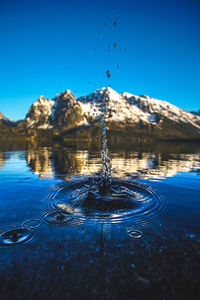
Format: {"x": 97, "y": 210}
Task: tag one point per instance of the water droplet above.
{"x": 108, "y": 74}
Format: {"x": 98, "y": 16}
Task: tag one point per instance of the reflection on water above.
{"x": 3, "y": 158}
{"x": 49, "y": 162}
{"x": 40, "y": 162}
{"x": 52, "y": 162}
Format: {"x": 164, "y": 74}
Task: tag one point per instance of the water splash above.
{"x": 127, "y": 203}
{"x": 105, "y": 157}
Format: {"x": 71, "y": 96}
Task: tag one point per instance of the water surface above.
{"x": 98, "y": 259}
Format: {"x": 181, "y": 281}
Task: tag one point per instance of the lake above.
{"x": 51, "y": 248}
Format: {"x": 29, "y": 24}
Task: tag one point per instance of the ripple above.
{"x": 126, "y": 201}
{"x": 132, "y": 232}
{"x": 32, "y": 223}
{"x": 57, "y": 217}
{"x": 12, "y": 236}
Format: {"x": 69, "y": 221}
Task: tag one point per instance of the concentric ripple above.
{"x": 15, "y": 235}
{"x": 124, "y": 201}
{"x": 58, "y": 217}
{"x": 32, "y": 223}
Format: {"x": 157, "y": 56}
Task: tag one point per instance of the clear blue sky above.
{"x": 50, "y": 46}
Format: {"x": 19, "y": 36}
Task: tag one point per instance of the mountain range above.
{"x": 127, "y": 116}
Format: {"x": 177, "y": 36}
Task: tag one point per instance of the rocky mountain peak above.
{"x": 2, "y": 117}
{"x": 100, "y": 94}
{"x": 39, "y": 113}
{"x": 66, "y": 95}
{"x": 145, "y": 96}
{"x": 124, "y": 110}
{"x": 66, "y": 110}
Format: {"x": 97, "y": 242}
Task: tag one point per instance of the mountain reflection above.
{"x": 40, "y": 162}
{"x": 49, "y": 162}
{"x": 3, "y": 158}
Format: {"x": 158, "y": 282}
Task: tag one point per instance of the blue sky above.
{"x": 50, "y": 46}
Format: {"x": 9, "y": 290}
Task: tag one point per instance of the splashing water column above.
{"x": 106, "y": 180}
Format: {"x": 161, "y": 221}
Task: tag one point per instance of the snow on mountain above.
{"x": 39, "y": 113}
{"x": 153, "y": 107}
{"x": 64, "y": 110}
{"x": 68, "y": 112}
{"x": 118, "y": 108}
{"x": 126, "y": 107}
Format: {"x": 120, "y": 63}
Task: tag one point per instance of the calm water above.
{"x": 147, "y": 251}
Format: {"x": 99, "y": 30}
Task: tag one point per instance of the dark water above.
{"x": 143, "y": 244}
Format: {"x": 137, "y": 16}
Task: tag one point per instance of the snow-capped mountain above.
{"x": 39, "y": 114}
{"x": 118, "y": 108}
{"x": 63, "y": 111}
{"x": 125, "y": 109}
